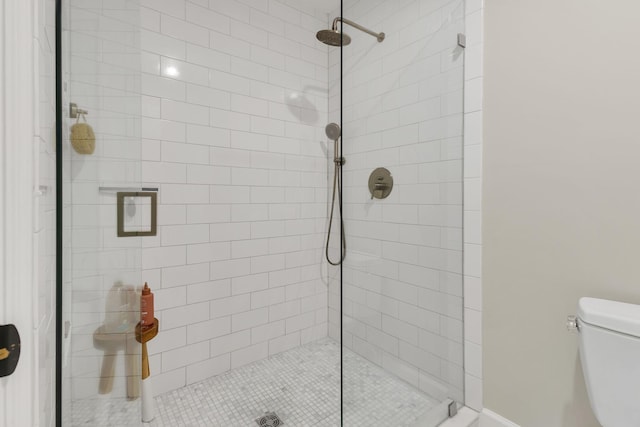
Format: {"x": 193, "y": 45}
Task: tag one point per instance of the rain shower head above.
{"x": 333, "y": 131}
{"x": 334, "y": 37}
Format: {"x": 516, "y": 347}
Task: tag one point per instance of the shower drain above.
{"x": 269, "y": 419}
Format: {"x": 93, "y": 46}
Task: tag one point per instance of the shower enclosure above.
{"x": 286, "y": 176}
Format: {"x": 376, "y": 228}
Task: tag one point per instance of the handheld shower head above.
{"x": 333, "y": 131}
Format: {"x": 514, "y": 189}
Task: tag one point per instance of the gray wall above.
{"x": 561, "y": 194}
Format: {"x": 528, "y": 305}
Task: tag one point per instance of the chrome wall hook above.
{"x": 74, "y": 111}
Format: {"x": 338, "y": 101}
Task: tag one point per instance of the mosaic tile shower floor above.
{"x": 302, "y": 386}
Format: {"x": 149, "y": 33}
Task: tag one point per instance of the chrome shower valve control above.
{"x": 380, "y": 183}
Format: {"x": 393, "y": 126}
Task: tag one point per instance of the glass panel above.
{"x": 233, "y": 135}
{"x": 102, "y": 274}
{"x": 402, "y": 110}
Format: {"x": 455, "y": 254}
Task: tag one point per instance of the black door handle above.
{"x": 9, "y": 349}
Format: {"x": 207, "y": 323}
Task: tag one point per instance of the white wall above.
{"x": 560, "y": 205}
{"x": 19, "y": 144}
{"x": 403, "y": 110}
{"x": 234, "y": 109}
{"x": 27, "y": 199}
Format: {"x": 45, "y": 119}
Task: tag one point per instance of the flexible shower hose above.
{"x": 337, "y": 184}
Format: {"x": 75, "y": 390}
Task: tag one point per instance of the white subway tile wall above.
{"x": 403, "y": 110}
{"x": 233, "y": 129}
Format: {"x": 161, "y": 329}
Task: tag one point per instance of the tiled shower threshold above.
{"x": 300, "y": 385}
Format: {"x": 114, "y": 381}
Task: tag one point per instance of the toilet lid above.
{"x": 616, "y": 316}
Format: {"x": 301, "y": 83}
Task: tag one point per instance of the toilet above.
{"x": 610, "y": 354}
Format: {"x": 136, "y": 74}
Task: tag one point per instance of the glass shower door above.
{"x": 402, "y": 117}
{"x": 101, "y": 158}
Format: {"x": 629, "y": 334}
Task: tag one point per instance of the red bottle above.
{"x": 146, "y": 306}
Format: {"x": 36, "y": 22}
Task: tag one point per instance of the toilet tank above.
{"x": 610, "y": 355}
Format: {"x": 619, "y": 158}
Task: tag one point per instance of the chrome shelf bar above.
{"x": 127, "y": 189}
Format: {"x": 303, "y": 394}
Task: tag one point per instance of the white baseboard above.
{"x": 491, "y": 419}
